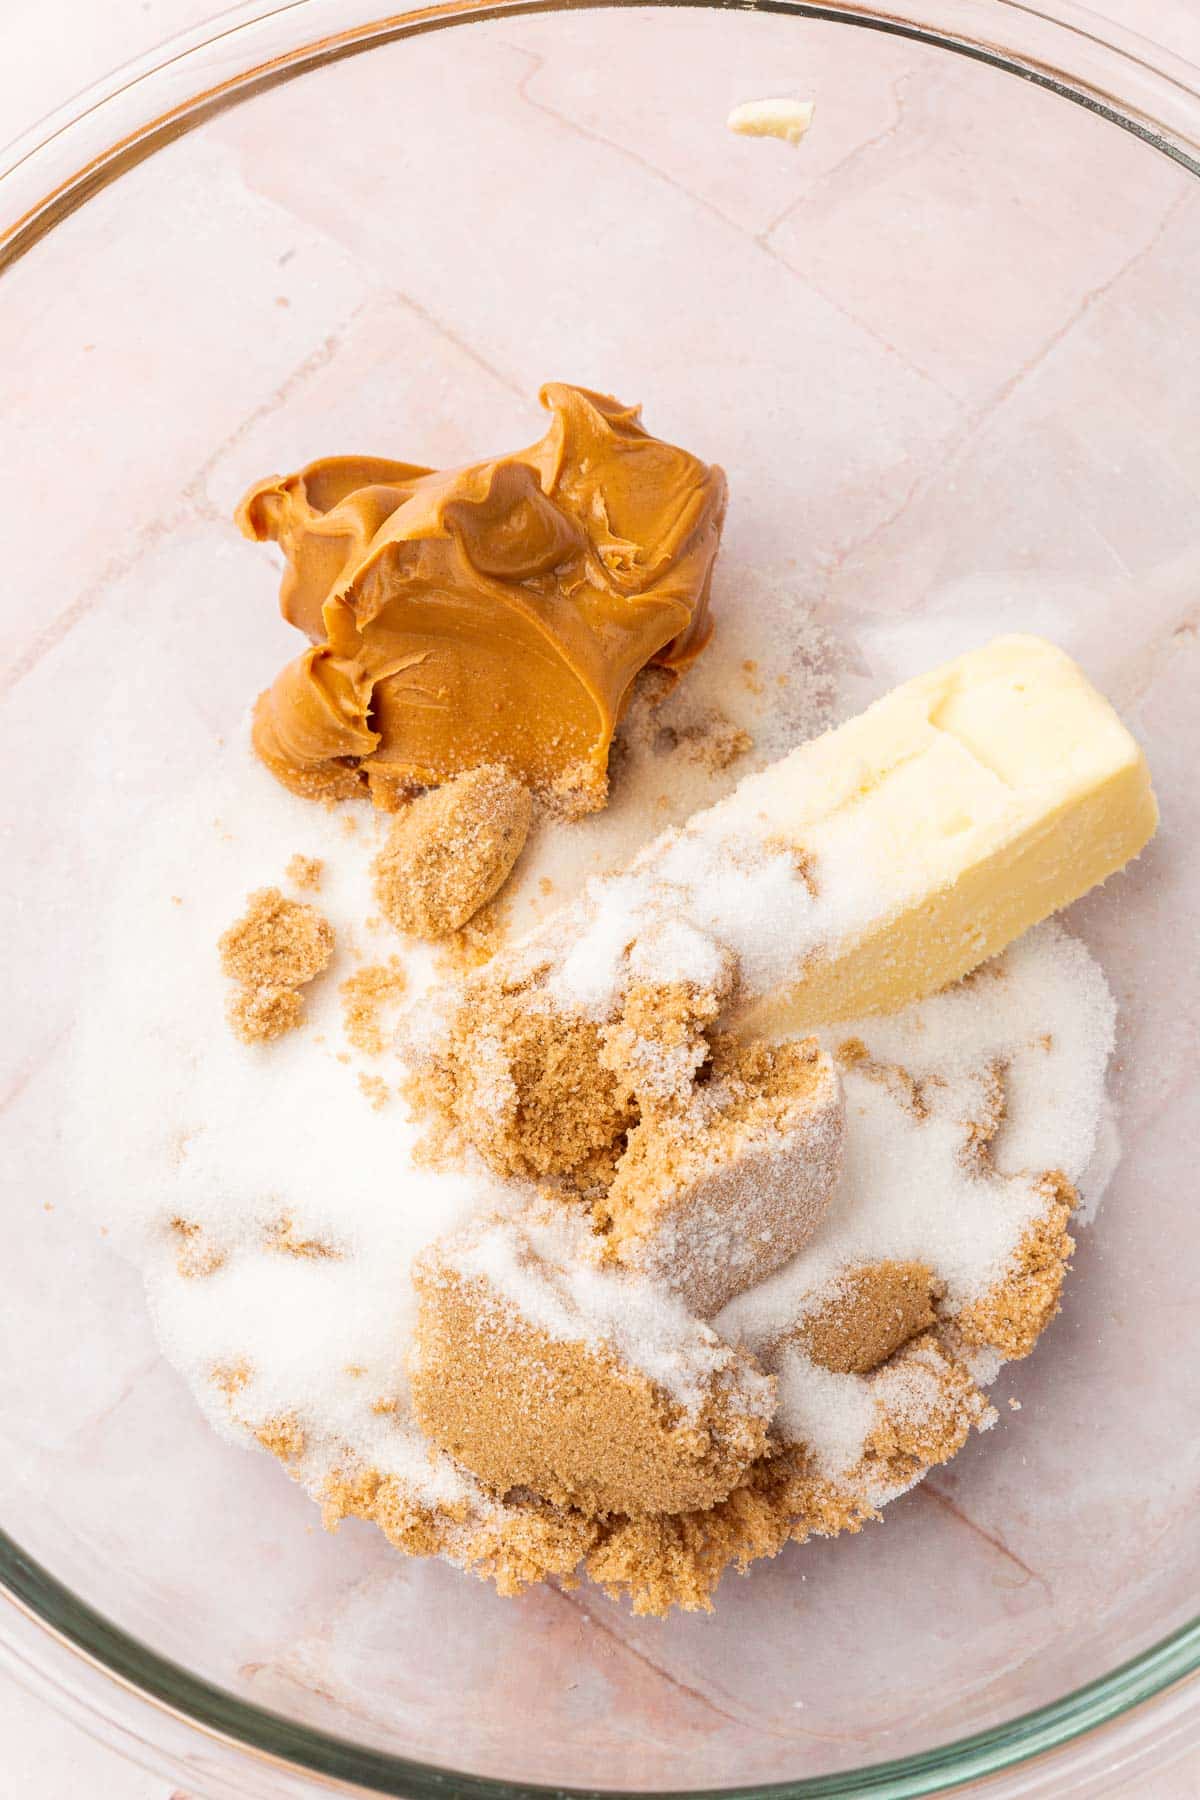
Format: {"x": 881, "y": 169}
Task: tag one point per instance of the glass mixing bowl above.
{"x": 948, "y": 353}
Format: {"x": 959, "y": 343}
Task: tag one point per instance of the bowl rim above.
{"x": 128, "y": 116}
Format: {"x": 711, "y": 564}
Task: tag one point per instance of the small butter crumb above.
{"x": 787, "y": 120}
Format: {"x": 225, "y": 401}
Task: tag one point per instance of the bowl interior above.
{"x": 946, "y": 352}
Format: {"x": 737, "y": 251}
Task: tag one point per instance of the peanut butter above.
{"x": 496, "y": 613}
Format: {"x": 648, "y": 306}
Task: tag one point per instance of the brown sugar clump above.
{"x": 283, "y": 1437}
{"x": 451, "y": 849}
{"x": 715, "y": 1196}
{"x": 666, "y": 1562}
{"x": 305, "y": 871}
{"x": 517, "y": 1545}
{"x": 412, "y": 1526}
{"x": 278, "y": 943}
{"x": 258, "y": 1015}
{"x": 657, "y": 1047}
{"x": 873, "y": 1310}
{"x": 925, "y": 1406}
{"x": 568, "y": 1416}
{"x": 474, "y": 943}
{"x": 367, "y": 996}
{"x": 275, "y": 948}
{"x": 374, "y": 1089}
{"x": 1017, "y": 1310}
{"x": 527, "y": 1087}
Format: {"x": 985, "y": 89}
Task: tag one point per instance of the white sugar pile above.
{"x": 251, "y": 1149}
{"x": 716, "y": 885}
{"x": 177, "y": 1120}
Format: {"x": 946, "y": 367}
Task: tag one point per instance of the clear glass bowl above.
{"x": 948, "y": 354}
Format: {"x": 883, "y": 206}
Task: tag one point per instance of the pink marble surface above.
{"x": 345, "y": 297}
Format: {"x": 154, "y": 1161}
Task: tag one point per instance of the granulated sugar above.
{"x": 1043, "y": 1012}
{"x": 831, "y": 1413}
{"x": 232, "y": 1138}
{"x": 259, "y": 1153}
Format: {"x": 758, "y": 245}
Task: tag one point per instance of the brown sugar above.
{"x": 660, "y": 1561}
{"x": 230, "y": 1378}
{"x": 982, "y": 1129}
{"x": 273, "y": 950}
{"x": 1014, "y": 1314}
{"x": 716, "y": 1195}
{"x": 305, "y": 872}
{"x": 258, "y": 1015}
{"x": 926, "y": 1403}
{"x": 196, "y": 1254}
{"x": 873, "y": 1310}
{"x": 707, "y": 1162}
{"x": 657, "y": 1046}
{"x": 367, "y": 997}
{"x": 374, "y": 1089}
{"x": 451, "y": 849}
{"x": 903, "y": 1086}
{"x": 474, "y": 943}
{"x": 569, "y": 1418}
{"x": 412, "y": 1526}
{"x": 283, "y": 1237}
{"x": 695, "y": 1165}
{"x": 283, "y": 1437}
{"x": 277, "y": 943}
{"x": 712, "y": 740}
{"x": 803, "y": 861}
{"x": 527, "y": 1087}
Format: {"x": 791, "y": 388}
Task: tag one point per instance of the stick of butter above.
{"x": 878, "y": 863}
{"x": 952, "y": 815}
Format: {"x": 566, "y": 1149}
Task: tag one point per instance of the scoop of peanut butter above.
{"x": 496, "y": 613}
